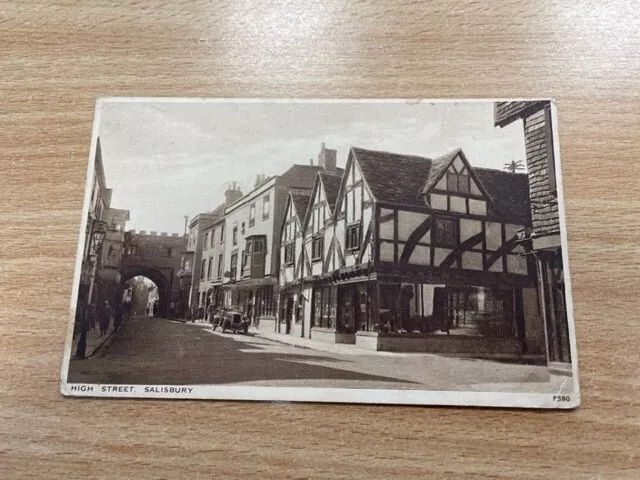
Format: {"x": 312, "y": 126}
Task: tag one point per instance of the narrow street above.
{"x": 153, "y": 351}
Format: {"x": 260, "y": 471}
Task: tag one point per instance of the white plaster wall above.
{"x": 386, "y": 252}
{"x": 477, "y": 207}
{"x": 469, "y": 228}
{"x": 439, "y": 255}
{"x": 438, "y": 201}
{"x": 472, "y": 261}
{"x": 421, "y": 255}
{"x": 458, "y": 204}
{"x": 493, "y": 232}
{"x": 408, "y": 222}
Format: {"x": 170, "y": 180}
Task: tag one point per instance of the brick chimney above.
{"x": 232, "y": 193}
{"x": 327, "y": 158}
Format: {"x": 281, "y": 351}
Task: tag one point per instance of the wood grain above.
{"x": 57, "y": 57}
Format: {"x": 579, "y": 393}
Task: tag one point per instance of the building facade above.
{"x": 212, "y": 265}
{"x": 100, "y": 202}
{"x": 545, "y": 238}
{"x": 191, "y": 262}
{"x": 112, "y": 254}
{"x": 253, "y": 226}
{"x": 156, "y": 256}
{"x": 418, "y": 255}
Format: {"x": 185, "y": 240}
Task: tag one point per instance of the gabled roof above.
{"x": 438, "y": 166}
{"x": 331, "y": 182}
{"x": 392, "y": 177}
{"x": 508, "y": 191}
{"x": 300, "y": 202}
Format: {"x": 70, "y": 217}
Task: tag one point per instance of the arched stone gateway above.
{"x": 157, "y": 257}
{"x": 162, "y": 281}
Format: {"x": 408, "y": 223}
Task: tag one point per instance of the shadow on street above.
{"x": 154, "y": 351}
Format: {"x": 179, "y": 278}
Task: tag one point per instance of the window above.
{"x": 242, "y": 230}
{"x": 206, "y": 240}
{"x": 258, "y": 252}
{"x": 209, "y": 268}
{"x": 445, "y": 233}
{"x": 246, "y": 258}
{"x": 290, "y": 229}
{"x": 235, "y": 235}
{"x": 458, "y": 183}
{"x": 213, "y": 234}
{"x": 289, "y": 253}
{"x": 267, "y": 301}
{"x": 202, "y": 269}
{"x": 324, "y": 307}
{"x": 252, "y": 215}
{"x": 234, "y": 266}
{"x": 316, "y": 248}
{"x": 169, "y": 252}
{"x": 353, "y": 237}
{"x": 243, "y": 262}
{"x": 551, "y": 167}
{"x": 222, "y": 233}
{"x": 266, "y": 206}
{"x": 220, "y": 266}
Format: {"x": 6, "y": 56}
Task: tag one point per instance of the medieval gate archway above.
{"x": 157, "y": 257}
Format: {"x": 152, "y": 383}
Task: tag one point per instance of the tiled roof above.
{"x": 400, "y": 179}
{"x": 301, "y": 202}
{"x": 392, "y": 177}
{"x": 331, "y": 182}
{"x": 300, "y": 176}
{"x": 509, "y": 192}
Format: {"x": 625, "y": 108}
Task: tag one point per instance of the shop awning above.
{"x": 250, "y": 283}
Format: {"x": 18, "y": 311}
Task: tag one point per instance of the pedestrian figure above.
{"x": 210, "y": 312}
{"x": 118, "y": 313}
{"x": 403, "y": 307}
{"x": 104, "y": 318}
{"x": 155, "y": 308}
{"x": 82, "y": 326}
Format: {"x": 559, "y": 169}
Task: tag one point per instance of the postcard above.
{"x": 359, "y": 251}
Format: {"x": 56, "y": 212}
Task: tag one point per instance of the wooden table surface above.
{"x": 57, "y": 57}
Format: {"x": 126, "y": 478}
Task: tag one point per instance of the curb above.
{"x": 104, "y": 343}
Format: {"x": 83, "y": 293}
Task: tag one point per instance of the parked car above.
{"x": 231, "y": 319}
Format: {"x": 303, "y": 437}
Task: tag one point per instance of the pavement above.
{"x": 156, "y": 351}
{"x": 94, "y": 341}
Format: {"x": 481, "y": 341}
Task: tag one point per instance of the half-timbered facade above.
{"x": 421, "y": 254}
{"x": 292, "y": 263}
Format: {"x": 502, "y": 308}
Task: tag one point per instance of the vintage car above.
{"x": 231, "y": 319}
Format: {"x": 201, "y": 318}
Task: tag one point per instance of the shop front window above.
{"x": 324, "y": 303}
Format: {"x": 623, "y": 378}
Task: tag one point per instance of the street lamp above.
{"x": 98, "y": 234}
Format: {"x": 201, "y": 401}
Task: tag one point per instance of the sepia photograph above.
{"x": 350, "y": 251}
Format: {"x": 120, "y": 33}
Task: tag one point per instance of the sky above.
{"x": 165, "y": 160}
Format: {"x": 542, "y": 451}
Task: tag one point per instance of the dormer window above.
{"x": 457, "y": 183}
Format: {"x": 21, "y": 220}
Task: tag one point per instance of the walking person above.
{"x": 82, "y": 326}
{"x": 118, "y": 314}
{"x": 104, "y": 318}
